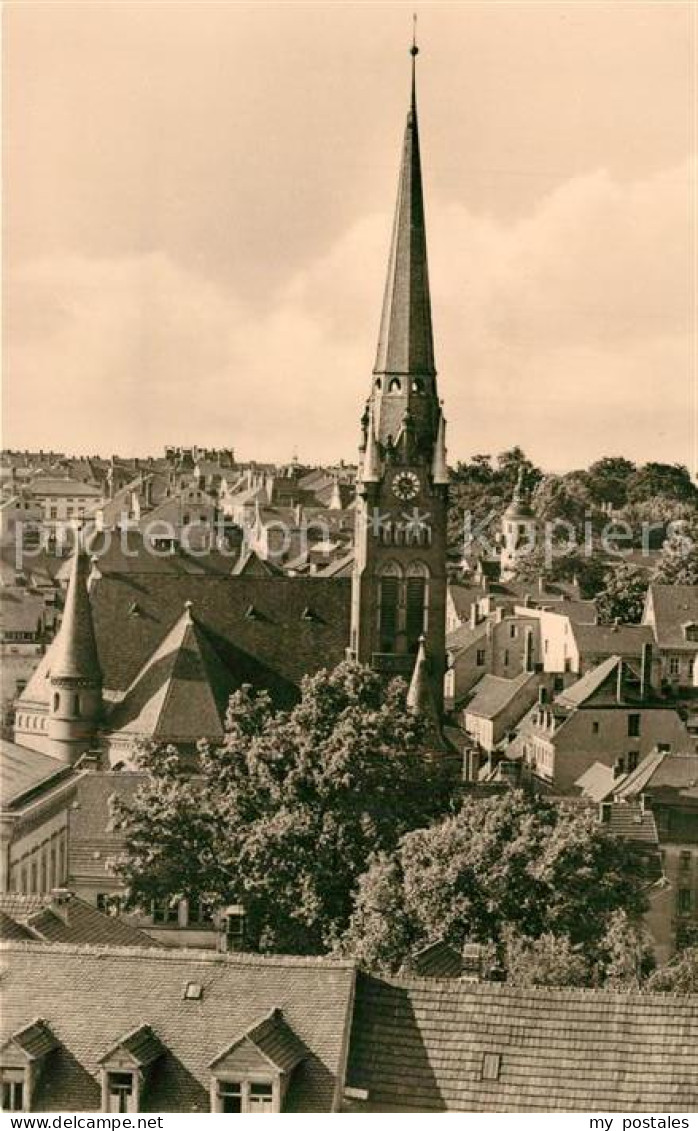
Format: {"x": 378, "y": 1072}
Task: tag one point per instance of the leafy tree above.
{"x": 670, "y": 479}
{"x": 502, "y": 863}
{"x": 284, "y": 814}
{"x": 607, "y": 480}
{"x": 623, "y": 594}
{"x": 678, "y": 564}
{"x": 549, "y": 960}
{"x": 627, "y": 957}
{"x": 680, "y": 976}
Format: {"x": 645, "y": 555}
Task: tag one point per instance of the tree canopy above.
{"x": 284, "y": 814}
{"x": 541, "y": 881}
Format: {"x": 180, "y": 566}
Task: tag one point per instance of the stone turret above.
{"x": 75, "y": 705}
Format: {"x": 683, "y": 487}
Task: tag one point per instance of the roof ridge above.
{"x": 181, "y": 954}
{"x": 438, "y": 984}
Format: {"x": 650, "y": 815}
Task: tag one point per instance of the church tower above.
{"x": 399, "y": 581}
{"x": 76, "y": 679}
{"x": 519, "y": 529}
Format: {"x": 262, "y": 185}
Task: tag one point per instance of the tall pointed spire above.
{"x": 405, "y": 343}
{"x": 75, "y": 656}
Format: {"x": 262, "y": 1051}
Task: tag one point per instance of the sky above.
{"x": 197, "y": 210}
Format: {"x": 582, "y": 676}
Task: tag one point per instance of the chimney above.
{"x": 473, "y": 615}
{"x": 646, "y": 670}
{"x": 471, "y": 764}
{"x": 472, "y": 963}
{"x": 232, "y": 929}
{"x": 541, "y": 584}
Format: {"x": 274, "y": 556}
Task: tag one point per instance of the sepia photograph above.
{"x": 349, "y": 562}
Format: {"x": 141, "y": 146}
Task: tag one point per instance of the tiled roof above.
{"x": 21, "y": 611}
{"x": 629, "y": 821}
{"x": 579, "y": 691}
{"x": 274, "y": 649}
{"x": 661, "y": 770}
{"x": 63, "y": 487}
{"x": 182, "y": 692}
{"x": 611, "y": 639}
{"x": 597, "y": 782}
{"x": 73, "y": 921}
{"x": 92, "y": 997}
{"x": 420, "y": 1046}
{"x": 22, "y": 769}
{"x": 493, "y": 693}
{"x": 274, "y": 1039}
{"x": 674, "y": 606}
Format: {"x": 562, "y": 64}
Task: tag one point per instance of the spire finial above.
{"x": 414, "y": 52}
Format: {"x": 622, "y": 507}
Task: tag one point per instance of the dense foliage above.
{"x": 285, "y": 813}
{"x": 541, "y": 881}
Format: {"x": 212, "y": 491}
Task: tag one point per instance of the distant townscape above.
{"x": 354, "y": 788}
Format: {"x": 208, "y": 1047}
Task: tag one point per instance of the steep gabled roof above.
{"x": 673, "y": 606}
{"x": 578, "y": 693}
{"x": 181, "y": 693}
{"x": 493, "y": 693}
{"x": 611, "y": 639}
{"x": 73, "y": 920}
{"x": 277, "y": 1043}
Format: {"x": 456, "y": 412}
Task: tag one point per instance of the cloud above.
{"x": 568, "y": 332}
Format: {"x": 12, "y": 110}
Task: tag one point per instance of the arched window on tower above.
{"x": 56, "y": 701}
{"x": 389, "y": 605}
{"x": 417, "y": 385}
{"x": 395, "y": 385}
{"x": 416, "y": 603}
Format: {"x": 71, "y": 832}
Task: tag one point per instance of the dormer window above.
{"x": 126, "y": 1070}
{"x": 252, "y": 1075}
{"x": 22, "y": 1061}
{"x": 690, "y": 632}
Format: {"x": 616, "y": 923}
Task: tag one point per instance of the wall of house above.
{"x": 577, "y": 745}
{"x": 500, "y": 650}
{"x": 38, "y": 854}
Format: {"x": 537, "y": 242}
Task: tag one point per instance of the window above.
{"x": 634, "y": 726}
{"x": 491, "y": 1064}
{"x": 480, "y": 657}
{"x": 633, "y": 759}
{"x": 684, "y": 860}
{"x": 394, "y": 386}
{"x": 691, "y": 633}
{"x": 389, "y": 597}
{"x": 595, "y": 728}
{"x": 683, "y": 901}
{"x": 415, "y": 605}
{"x": 512, "y": 631}
{"x": 674, "y": 666}
{"x": 165, "y": 912}
{"x": 120, "y": 1092}
{"x": 109, "y": 904}
{"x": 506, "y": 657}
{"x": 229, "y": 1097}
{"x": 261, "y": 1098}
{"x": 12, "y": 1089}
{"x": 250, "y": 1097}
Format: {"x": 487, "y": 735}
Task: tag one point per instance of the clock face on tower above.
{"x": 405, "y": 485}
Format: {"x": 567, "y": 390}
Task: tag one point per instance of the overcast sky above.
{"x": 198, "y": 204}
